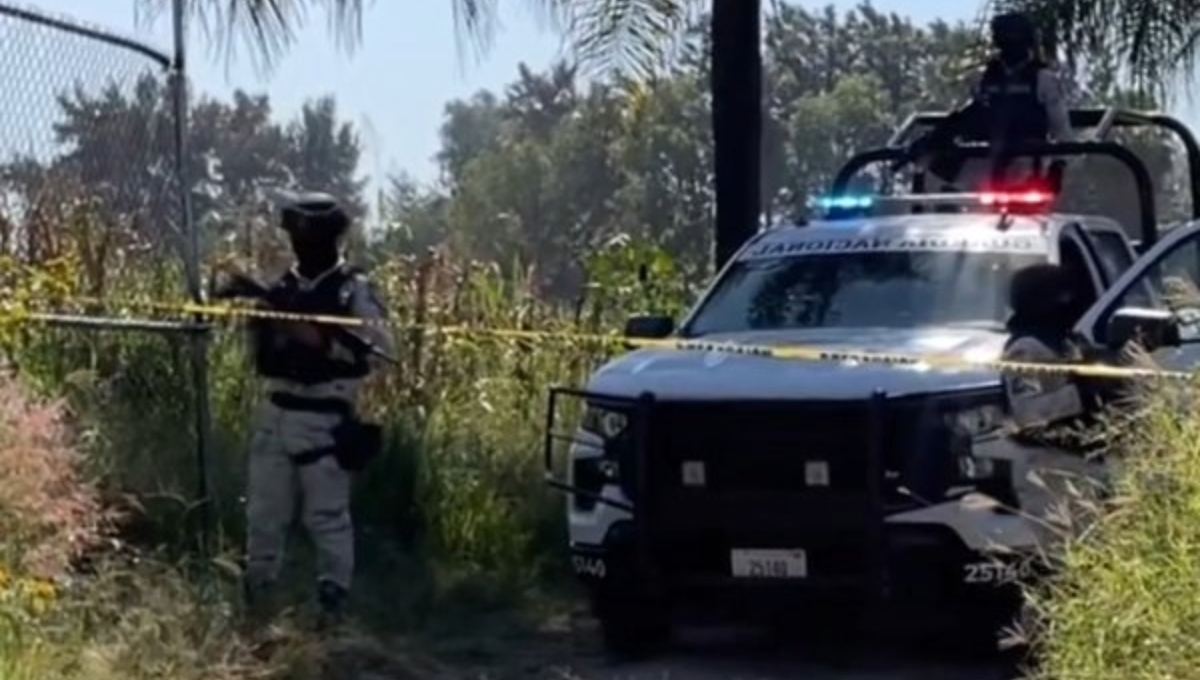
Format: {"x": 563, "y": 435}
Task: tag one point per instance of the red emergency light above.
{"x": 1026, "y": 195}
{"x": 1029, "y": 197}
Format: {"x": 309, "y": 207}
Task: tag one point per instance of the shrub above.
{"x": 1126, "y": 603}
{"x": 76, "y": 604}
{"x": 49, "y": 516}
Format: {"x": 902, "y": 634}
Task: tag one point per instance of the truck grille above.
{"x": 817, "y": 475}
{"x": 771, "y": 446}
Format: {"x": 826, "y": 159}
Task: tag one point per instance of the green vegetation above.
{"x": 1124, "y": 604}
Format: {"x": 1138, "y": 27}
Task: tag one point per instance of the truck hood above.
{"x": 701, "y": 375}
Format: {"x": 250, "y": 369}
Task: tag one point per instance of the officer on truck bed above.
{"x": 307, "y": 437}
{"x": 1017, "y": 98}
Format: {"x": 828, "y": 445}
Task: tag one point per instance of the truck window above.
{"x": 857, "y": 289}
{"x": 1174, "y": 284}
{"x": 1113, "y": 252}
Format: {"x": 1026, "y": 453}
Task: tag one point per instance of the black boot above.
{"x": 257, "y": 598}
{"x": 332, "y": 600}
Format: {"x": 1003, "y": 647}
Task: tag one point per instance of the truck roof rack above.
{"x": 1102, "y": 121}
{"x": 1143, "y": 184}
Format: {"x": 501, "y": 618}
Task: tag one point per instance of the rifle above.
{"x": 242, "y": 286}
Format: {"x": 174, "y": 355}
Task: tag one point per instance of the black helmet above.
{"x": 1013, "y": 31}
{"x": 312, "y": 212}
{"x": 1041, "y": 291}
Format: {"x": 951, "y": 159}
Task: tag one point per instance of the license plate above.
{"x": 769, "y": 563}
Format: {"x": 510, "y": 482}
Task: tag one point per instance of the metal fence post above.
{"x": 200, "y": 339}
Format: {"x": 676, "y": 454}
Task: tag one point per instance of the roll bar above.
{"x": 1103, "y": 121}
{"x": 1141, "y": 176}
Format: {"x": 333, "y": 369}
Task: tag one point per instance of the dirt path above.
{"x": 731, "y": 654}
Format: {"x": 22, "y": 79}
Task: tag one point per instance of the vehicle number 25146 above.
{"x": 996, "y": 572}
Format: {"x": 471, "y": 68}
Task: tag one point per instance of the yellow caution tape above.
{"x": 841, "y": 356}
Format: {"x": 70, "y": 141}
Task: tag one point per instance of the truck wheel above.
{"x": 980, "y": 632}
{"x": 631, "y": 625}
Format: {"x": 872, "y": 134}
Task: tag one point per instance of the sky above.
{"x": 407, "y": 66}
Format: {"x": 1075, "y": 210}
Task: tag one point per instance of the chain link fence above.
{"x": 87, "y": 138}
{"x": 93, "y": 201}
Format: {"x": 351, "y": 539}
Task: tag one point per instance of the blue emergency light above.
{"x": 844, "y": 202}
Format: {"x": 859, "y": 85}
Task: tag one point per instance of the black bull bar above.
{"x": 850, "y": 510}
{"x": 761, "y": 493}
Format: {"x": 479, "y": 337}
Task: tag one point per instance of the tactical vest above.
{"x": 1010, "y": 101}
{"x": 299, "y": 363}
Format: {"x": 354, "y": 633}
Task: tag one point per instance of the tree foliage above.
{"x": 120, "y": 155}
{"x": 551, "y": 170}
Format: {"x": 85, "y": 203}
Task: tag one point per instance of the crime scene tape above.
{"x": 853, "y": 357}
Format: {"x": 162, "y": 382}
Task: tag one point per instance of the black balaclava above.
{"x": 1014, "y": 37}
{"x": 1044, "y": 303}
{"x": 314, "y": 224}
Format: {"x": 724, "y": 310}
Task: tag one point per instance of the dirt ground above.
{"x": 570, "y": 649}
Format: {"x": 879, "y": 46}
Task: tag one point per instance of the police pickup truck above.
{"x": 742, "y": 484}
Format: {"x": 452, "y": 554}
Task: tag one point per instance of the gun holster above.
{"x": 356, "y": 443}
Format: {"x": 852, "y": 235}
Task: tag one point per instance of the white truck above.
{"x": 739, "y": 484}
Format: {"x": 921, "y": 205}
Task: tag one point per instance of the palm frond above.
{"x": 1155, "y": 42}
{"x": 633, "y": 36}
{"x": 265, "y": 28}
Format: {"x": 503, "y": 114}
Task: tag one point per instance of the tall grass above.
{"x": 457, "y": 498}
{"x": 1126, "y": 603}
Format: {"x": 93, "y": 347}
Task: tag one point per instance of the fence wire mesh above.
{"x": 92, "y": 203}
{"x": 86, "y": 144}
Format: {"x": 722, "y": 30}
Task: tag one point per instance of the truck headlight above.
{"x": 975, "y": 469}
{"x": 604, "y": 422}
{"x": 967, "y": 424}
{"x": 975, "y": 421}
{"x": 592, "y": 472}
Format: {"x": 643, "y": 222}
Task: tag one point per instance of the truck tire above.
{"x": 631, "y": 625}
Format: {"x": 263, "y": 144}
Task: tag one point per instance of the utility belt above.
{"x": 355, "y": 443}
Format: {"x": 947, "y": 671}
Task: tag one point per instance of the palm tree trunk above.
{"x": 737, "y": 121}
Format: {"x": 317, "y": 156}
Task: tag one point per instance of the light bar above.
{"x": 1025, "y": 197}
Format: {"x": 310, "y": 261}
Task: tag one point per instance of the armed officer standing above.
{"x": 307, "y": 437}
{"x": 1017, "y": 98}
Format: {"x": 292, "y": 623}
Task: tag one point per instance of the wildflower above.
{"x": 38, "y": 594}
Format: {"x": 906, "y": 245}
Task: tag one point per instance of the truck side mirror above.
{"x": 1152, "y": 328}
{"x": 649, "y": 327}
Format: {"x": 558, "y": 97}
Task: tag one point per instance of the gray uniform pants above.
{"x": 276, "y": 482}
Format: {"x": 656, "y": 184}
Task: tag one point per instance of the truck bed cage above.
{"x": 1102, "y": 121}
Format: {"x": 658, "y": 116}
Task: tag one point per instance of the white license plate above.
{"x": 769, "y": 563}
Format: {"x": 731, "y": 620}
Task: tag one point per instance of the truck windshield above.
{"x": 906, "y": 289}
